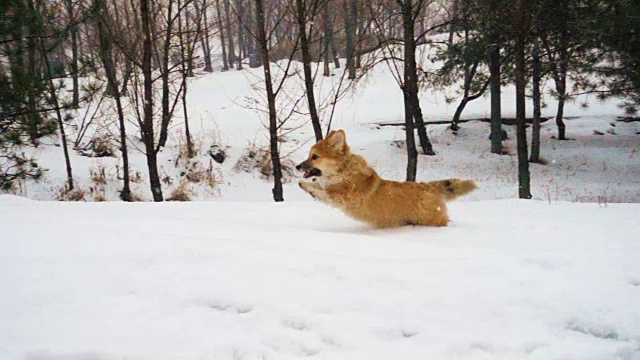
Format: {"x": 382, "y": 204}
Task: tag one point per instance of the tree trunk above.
{"x": 425, "y": 143}
{"x": 271, "y": 99}
{"x": 147, "y": 128}
{"x": 34, "y": 117}
{"x": 326, "y": 38}
{"x": 128, "y": 71}
{"x": 524, "y": 181}
{"x": 407, "y": 90}
{"x": 454, "y": 18}
{"x": 201, "y": 11}
{"x": 559, "y": 117}
{"x": 56, "y": 104}
{"x": 185, "y": 72}
{"x": 225, "y": 64}
{"x": 254, "y": 54}
{"x": 470, "y": 73}
{"x": 164, "y": 76}
{"x": 563, "y": 63}
{"x": 306, "y": 64}
{"x": 536, "y": 77}
{"x": 456, "y": 116}
{"x": 240, "y": 12}
{"x": 106, "y": 55}
{"x": 230, "y": 49}
{"x": 74, "y": 55}
{"x": 334, "y": 52}
{"x": 496, "y": 112}
{"x": 189, "y": 45}
{"x": 350, "y": 29}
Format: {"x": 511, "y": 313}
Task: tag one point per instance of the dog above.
{"x": 333, "y": 175}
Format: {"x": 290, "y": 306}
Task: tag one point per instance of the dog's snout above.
{"x": 303, "y": 166}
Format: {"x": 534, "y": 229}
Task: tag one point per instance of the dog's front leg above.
{"x": 314, "y": 189}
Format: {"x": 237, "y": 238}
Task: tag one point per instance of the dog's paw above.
{"x": 304, "y": 185}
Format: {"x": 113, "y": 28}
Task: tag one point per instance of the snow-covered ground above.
{"x": 509, "y": 279}
{"x": 240, "y": 277}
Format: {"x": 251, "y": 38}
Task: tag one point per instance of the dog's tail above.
{"x": 450, "y": 188}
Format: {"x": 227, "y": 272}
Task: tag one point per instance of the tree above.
{"x": 492, "y": 25}
{"x": 56, "y": 106}
{"x": 521, "y": 30}
{"x": 536, "y": 78}
{"x": 240, "y": 15}
{"x": 230, "y": 49}
{"x": 221, "y": 29}
{"x": 616, "y": 51}
{"x": 204, "y": 38}
{"x": 106, "y": 55}
{"x": 28, "y": 93}
{"x": 167, "y": 109}
{"x": 147, "y": 125}
{"x": 350, "y": 11}
{"x": 271, "y": 100}
{"x": 484, "y": 37}
{"x": 307, "y": 9}
{"x": 412, "y": 111}
{"x": 463, "y": 58}
{"x": 496, "y": 106}
{"x": 74, "y": 52}
{"x": 558, "y": 57}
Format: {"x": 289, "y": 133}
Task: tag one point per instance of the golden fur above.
{"x": 349, "y": 183}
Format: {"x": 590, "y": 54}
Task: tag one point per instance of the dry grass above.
{"x": 99, "y": 175}
{"x": 102, "y": 145}
{"x": 196, "y": 172}
{"x": 136, "y": 177}
{"x": 180, "y": 193}
{"x": 64, "y": 194}
{"x": 259, "y": 159}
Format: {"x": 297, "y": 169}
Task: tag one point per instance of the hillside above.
{"x": 225, "y": 113}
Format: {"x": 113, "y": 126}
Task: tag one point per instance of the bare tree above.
{"x": 221, "y": 29}
{"x": 73, "y": 30}
{"x": 520, "y": 26}
{"x": 271, "y": 99}
{"x": 240, "y": 15}
{"x": 413, "y": 113}
{"x": 201, "y": 13}
{"x": 106, "y": 54}
{"x": 56, "y": 104}
{"x": 496, "y": 111}
{"x": 536, "y": 75}
{"x": 165, "y": 72}
{"x": 186, "y": 54}
{"x": 147, "y": 127}
{"x": 230, "y": 50}
{"x": 350, "y": 8}
{"x": 306, "y": 9}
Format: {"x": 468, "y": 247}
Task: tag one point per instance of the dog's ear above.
{"x": 337, "y": 139}
{"x": 330, "y": 134}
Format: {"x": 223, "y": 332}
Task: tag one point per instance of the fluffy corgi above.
{"x": 332, "y": 174}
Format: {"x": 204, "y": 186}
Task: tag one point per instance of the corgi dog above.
{"x": 332, "y": 174}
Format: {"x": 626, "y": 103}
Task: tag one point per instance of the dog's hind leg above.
{"x": 433, "y": 212}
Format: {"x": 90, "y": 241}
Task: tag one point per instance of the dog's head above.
{"x": 325, "y": 156}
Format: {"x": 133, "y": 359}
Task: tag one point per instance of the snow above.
{"x": 509, "y": 279}
{"x": 236, "y": 276}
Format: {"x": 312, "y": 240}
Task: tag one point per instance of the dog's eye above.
{"x": 314, "y": 157}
